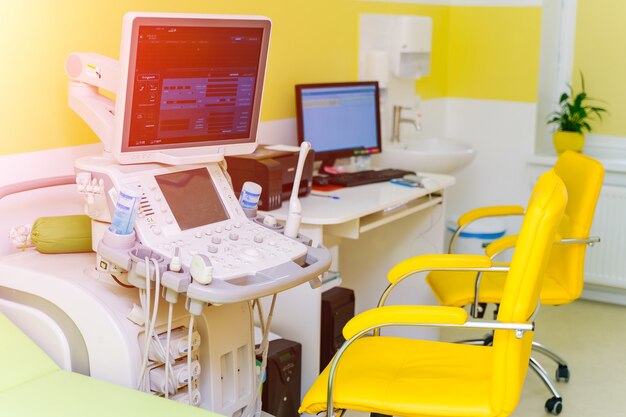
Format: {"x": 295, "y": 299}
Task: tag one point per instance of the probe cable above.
{"x": 168, "y": 363}
{"x": 151, "y": 322}
{"x": 146, "y": 312}
{"x": 189, "y": 337}
{"x": 254, "y": 408}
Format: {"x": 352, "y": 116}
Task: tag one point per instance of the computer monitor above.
{"x": 188, "y": 87}
{"x": 339, "y": 119}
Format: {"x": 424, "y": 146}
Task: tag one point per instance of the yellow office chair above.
{"x": 417, "y": 378}
{"x": 563, "y": 281}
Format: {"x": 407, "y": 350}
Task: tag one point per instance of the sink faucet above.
{"x": 397, "y": 119}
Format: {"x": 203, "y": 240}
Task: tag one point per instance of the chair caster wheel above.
{"x": 554, "y": 406}
{"x": 562, "y": 373}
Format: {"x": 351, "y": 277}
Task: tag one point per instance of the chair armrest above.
{"x": 426, "y": 316}
{"x": 490, "y": 211}
{"x": 445, "y": 262}
{"x": 404, "y": 315}
{"x": 479, "y": 213}
{"x": 591, "y": 240}
{"x": 439, "y": 262}
{"x": 500, "y": 245}
{"x": 507, "y": 242}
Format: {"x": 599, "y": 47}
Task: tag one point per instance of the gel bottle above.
{"x": 125, "y": 210}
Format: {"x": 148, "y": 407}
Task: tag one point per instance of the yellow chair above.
{"x": 417, "y": 378}
{"x": 563, "y": 280}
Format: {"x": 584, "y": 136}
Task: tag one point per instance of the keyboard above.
{"x": 352, "y": 179}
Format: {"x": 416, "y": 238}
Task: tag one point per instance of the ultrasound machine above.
{"x": 167, "y": 306}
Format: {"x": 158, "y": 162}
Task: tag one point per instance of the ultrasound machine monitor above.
{"x": 188, "y": 88}
{"x": 339, "y": 119}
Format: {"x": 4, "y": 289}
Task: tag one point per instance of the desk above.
{"x": 363, "y": 251}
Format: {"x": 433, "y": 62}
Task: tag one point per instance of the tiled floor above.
{"x": 592, "y": 338}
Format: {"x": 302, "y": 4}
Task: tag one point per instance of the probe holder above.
{"x": 175, "y": 283}
{"x": 114, "y": 249}
{"x": 126, "y": 254}
{"x": 137, "y": 272}
{"x": 278, "y": 228}
{"x": 251, "y": 213}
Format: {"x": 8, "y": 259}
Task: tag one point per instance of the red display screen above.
{"x": 193, "y": 84}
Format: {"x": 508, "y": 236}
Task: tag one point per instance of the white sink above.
{"x": 437, "y": 155}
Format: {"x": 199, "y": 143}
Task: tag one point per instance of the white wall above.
{"x": 503, "y": 133}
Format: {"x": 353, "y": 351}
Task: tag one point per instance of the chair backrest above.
{"x": 522, "y": 287}
{"x": 583, "y": 179}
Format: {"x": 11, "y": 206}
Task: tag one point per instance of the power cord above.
{"x": 120, "y": 283}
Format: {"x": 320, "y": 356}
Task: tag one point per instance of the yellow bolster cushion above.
{"x": 62, "y": 234}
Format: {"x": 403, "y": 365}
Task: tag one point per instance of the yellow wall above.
{"x": 494, "y": 53}
{"x": 599, "y": 53}
{"x": 477, "y": 53}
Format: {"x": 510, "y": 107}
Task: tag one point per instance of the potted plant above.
{"x": 572, "y": 118}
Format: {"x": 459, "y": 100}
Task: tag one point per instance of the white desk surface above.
{"x": 356, "y": 202}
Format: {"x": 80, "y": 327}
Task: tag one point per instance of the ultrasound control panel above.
{"x": 194, "y": 208}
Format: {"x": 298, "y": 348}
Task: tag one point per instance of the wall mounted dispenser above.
{"x": 410, "y": 44}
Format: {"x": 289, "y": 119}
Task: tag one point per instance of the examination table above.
{"x": 31, "y": 384}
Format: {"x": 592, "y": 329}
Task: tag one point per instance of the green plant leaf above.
{"x": 578, "y": 100}
{"x": 576, "y": 109}
{"x": 582, "y": 81}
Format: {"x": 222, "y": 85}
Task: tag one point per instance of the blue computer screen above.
{"x": 340, "y": 117}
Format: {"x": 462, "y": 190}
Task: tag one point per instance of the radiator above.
{"x": 605, "y": 263}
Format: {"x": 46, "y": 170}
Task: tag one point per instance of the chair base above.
{"x": 562, "y": 372}
{"x": 554, "y": 405}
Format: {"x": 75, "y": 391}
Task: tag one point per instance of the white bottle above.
{"x": 250, "y": 194}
